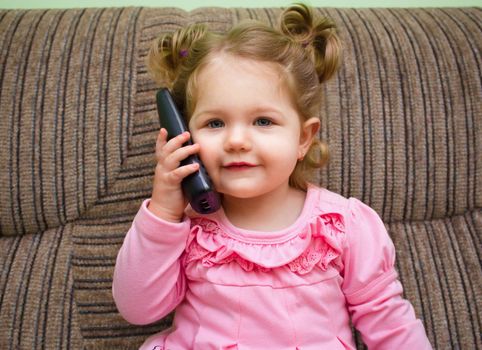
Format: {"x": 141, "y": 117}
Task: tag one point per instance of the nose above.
{"x": 237, "y": 140}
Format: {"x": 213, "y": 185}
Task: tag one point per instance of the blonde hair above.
{"x": 306, "y": 48}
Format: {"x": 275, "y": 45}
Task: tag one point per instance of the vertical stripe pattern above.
{"x": 401, "y": 117}
{"x": 66, "y": 97}
{"x": 67, "y": 93}
{"x": 37, "y": 307}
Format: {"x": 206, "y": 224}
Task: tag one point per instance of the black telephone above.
{"x": 197, "y": 187}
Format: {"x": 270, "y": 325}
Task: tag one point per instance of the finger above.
{"x": 175, "y": 158}
{"x": 176, "y": 142}
{"x": 177, "y": 175}
{"x": 161, "y": 141}
{"x": 162, "y": 136}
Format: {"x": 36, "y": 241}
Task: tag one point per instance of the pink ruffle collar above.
{"x": 315, "y": 240}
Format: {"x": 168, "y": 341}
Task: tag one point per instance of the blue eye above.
{"x": 263, "y": 122}
{"x": 216, "y": 123}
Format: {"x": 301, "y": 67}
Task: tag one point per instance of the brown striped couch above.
{"x": 77, "y": 130}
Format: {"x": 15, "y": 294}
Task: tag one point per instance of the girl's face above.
{"x": 251, "y": 135}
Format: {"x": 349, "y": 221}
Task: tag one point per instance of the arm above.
{"x": 371, "y": 287}
{"x": 148, "y": 278}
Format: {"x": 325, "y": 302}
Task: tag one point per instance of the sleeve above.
{"x": 371, "y": 286}
{"x": 148, "y": 278}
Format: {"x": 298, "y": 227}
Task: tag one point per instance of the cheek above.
{"x": 208, "y": 153}
{"x": 284, "y": 160}
{"x": 286, "y": 147}
{"x": 287, "y": 161}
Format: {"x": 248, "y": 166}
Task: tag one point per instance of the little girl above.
{"x": 283, "y": 264}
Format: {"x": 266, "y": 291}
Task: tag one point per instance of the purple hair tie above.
{"x": 183, "y": 53}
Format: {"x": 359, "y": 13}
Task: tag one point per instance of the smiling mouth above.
{"x": 239, "y": 166}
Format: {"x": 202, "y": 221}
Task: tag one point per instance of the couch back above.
{"x": 77, "y": 132}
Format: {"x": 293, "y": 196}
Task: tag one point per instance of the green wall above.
{"x": 191, "y": 4}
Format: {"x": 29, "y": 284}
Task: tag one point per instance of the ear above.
{"x": 309, "y": 130}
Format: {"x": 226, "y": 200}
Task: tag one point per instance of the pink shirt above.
{"x": 292, "y": 289}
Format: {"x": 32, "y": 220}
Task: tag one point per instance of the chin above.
{"x": 244, "y": 192}
{"x": 238, "y": 194}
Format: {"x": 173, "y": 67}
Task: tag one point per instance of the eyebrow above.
{"x": 257, "y": 109}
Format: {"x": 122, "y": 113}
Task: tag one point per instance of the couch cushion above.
{"x": 438, "y": 262}
{"x": 36, "y": 292}
{"x": 402, "y": 117}
{"x": 66, "y": 96}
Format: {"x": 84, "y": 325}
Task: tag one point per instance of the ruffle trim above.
{"x": 318, "y": 244}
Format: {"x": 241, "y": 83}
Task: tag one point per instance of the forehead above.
{"x": 225, "y": 60}
{"x": 225, "y": 74}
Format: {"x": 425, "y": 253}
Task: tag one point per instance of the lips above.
{"x": 239, "y": 166}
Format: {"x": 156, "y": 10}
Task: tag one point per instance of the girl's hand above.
{"x": 167, "y": 200}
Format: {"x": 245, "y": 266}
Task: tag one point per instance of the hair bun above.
{"x": 169, "y": 51}
{"x": 297, "y": 21}
{"x": 317, "y": 35}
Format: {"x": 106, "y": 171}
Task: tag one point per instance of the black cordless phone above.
{"x": 197, "y": 187}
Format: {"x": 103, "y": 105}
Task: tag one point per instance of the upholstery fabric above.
{"x": 78, "y": 124}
